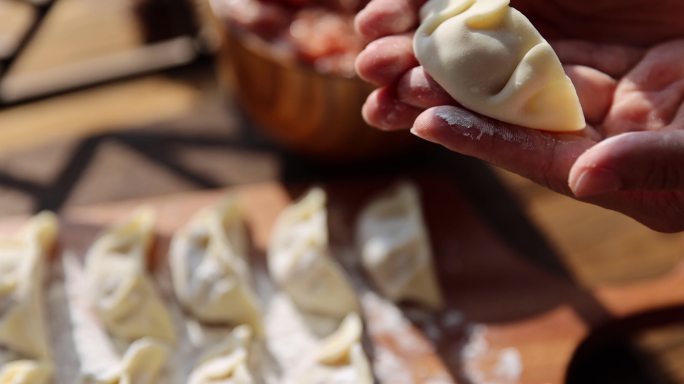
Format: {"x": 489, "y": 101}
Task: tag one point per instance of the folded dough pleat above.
{"x": 22, "y": 269}
{"x": 395, "y": 248}
{"x": 121, "y": 291}
{"x": 210, "y": 271}
{"x": 342, "y": 357}
{"x": 25, "y": 372}
{"x": 300, "y": 260}
{"x": 490, "y": 58}
{"x": 226, "y": 363}
{"x": 141, "y": 364}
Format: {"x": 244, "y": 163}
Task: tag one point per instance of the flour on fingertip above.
{"x": 475, "y": 128}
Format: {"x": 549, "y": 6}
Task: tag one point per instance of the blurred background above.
{"x": 105, "y": 100}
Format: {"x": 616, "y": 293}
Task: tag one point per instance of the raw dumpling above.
{"x": 227, "y": 363}
{"x": 395, "y": 248}
{"x": 25, "y": 372}
{"x": 334, "y": 350}
{"x": 341, "y": 358}
{"x": 141, "y": 364}
{"x": 22, "y": 259}
{"x": 300, "y": 262}
{"x": 209, "y": 268}
{"x": 491, "y": 59}
{"x": 121, "y": 290}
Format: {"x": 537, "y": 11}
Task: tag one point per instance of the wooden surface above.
{"x": 506, "y": 302}
{"x": 68, "y": 151}
{"x": 15, "y": 18}
{"x": 600, "y": 246}
{"x": 62, "y": 39}
{"x": 81, "y": 42}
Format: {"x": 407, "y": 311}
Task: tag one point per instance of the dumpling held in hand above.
{"x": 490, "y": 58}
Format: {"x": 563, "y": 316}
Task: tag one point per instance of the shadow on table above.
{"x": 494, "y": 266}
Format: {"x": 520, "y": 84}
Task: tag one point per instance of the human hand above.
{"x": 631, "y": 156}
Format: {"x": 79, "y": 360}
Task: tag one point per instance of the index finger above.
{"x": 387, "y": 17}
{"x": 543, "y": 157}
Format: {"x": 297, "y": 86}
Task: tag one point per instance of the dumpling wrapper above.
{"x": 227, "y": 363}
{"x": 22, "y": 269}
{"x": 300, "y": 261}
{"x": 490, "y": 58}
{"x": 395, "y": 248}
{"x": 122, "y": 293}
{"x": 334, "y": 350}
{"x": 211, "y": 276}
{"x": 342, "y": 357}
{"x": 25, "y": 372}
{"x": 141, "y": 364}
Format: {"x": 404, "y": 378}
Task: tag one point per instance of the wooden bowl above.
{"x": 307, "y": 112}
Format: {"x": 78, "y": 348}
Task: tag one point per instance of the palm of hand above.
{"x": 637, "y": 130}
{"x": 629, "y": 159}
{"x": 651, "y": 96}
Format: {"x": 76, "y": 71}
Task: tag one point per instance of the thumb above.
{"x": 651, "y": 160}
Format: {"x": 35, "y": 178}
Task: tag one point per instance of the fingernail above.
{"x": 423, "y": 134}
{"x": 420, "y": 132}
{"x": 593, "y": 182}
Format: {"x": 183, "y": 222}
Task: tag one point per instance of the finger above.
{"x": 543, "y": 157}
{"x": 678, "y": 121}
{"x": 589, "y": 132}
{"x": 386, "y": 59}
{"x": 660, "y": 67}
{"x": 595, "y": 90}
{"x": 384, "y": 111}
{"x": 651, "y": 95}
{"x": 659, "y": 210}
{"x": 418, "y": 89}
{"x": 614, "y": 60}
{"x": 651, "y": 160}
{"x": 387, "y": 17}
{"x": 631, "y": 111}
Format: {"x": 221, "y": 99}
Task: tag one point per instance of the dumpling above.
{"x": 490, "y": 58}
{"x": 300, "y": 262}
{"x": 395, "y": 248}
{"x": 22, "y": 258}
{"x": 227, "y": 363}
{"x": 342, "y": 357}
{"x": 209, "y": 268}
{"x": 25, "y": 372}
{"x": 122, "y": 292}
{"x": 334, "y": 350}
{"x": 141, "y": 364}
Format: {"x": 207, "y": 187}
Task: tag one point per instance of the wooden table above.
{"x": 173, "y": 131}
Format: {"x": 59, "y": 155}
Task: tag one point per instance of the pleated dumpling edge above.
{"x": 491, "y": 59}
{"x": 210, "y": 268}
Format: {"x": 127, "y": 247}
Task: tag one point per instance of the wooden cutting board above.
{"x": 507, "y": 320}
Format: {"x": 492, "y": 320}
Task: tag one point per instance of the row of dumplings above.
{"x": 211, "y": 277}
